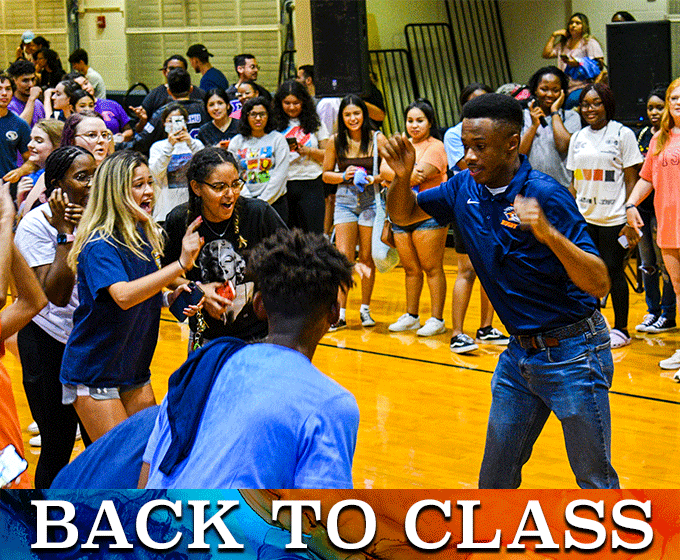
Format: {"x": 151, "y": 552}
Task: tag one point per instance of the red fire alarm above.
{"x": 101, "y": 22}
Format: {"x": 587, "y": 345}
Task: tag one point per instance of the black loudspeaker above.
{"x": 639, "y": 56}
{"x": 340, "y": 42}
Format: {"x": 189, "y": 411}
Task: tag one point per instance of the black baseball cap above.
{"x": 198, "y": 51}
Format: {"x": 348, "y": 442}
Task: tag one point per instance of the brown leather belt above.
{"x": 551, "y": 339}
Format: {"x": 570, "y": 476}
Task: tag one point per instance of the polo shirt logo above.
{"x": 511, "y": 218}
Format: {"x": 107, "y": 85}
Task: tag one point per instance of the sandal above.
{"x": 618, "y": 339}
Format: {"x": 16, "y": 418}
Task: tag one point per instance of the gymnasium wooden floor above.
{"x": 424, "y": 409}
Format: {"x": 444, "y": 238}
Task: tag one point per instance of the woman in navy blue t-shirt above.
{"x": 116, "y": 253}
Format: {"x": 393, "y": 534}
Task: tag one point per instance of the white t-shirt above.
{"x": 598, "y": 158}
{"x": 327, "y": 109}
{"x": 37, "y": 241}
{"x": 303, "y": 167}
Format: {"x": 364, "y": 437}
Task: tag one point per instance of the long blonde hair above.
{"x": 110, "y": 211}
{"x": 667, "y": 121}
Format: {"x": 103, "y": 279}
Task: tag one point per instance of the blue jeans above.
{"x": 652, "y": 267}
{"x": 572, "y": 380}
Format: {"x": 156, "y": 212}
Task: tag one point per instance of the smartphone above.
{"x": 623, "y": 241}
{"x": 292, "y": 143}
{"x": 11, "y": 465}
{"x": 185, "y": 299}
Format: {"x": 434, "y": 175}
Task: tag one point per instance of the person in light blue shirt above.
{"x": 531, "y": 250}
{"x": 261, "y": 415}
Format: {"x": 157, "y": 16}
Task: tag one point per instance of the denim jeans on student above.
{"x": 572, "y": 380}
{"x": 657, "y": 304}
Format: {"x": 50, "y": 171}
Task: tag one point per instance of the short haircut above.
{"x": 21, "y": 67}
{"x": 74, "y": 75}
{"x": 174, "y": 57}
{"x": 307, "y": 71}
{"x": 244, "y": 126}
{"x": 79, "y": 55}
{"x": 498, "y": 108}
{"x": 179, "y": 81}
{"x": 70, "y": 87}
{"x": 5, "y": 78}
{"x": 533, "y": 82}
{"x": 658, "y": 91}
{"x": 240, "y": 60}
{"x": 299, "y": 274}
{"x": 469, "y": 89}
{"x": 606, "y": 95}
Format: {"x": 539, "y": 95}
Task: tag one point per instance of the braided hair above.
{"x": 202, "y": 164}
{"x": 58, "y": 163}
{"x": 299, "y": 274}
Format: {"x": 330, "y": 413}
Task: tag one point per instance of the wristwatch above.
{"x": 64, "y": 238}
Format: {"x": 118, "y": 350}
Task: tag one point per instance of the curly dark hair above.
{"x": 309, "y": 118}
{"x": 21, "y": 67}
{"x": 58, "y": 163}
{"x": 299, "y": 274}
{"x": 244, "y": 126}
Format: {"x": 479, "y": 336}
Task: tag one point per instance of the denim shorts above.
{"x": 350, "y": 207}
{"x": 69, "y": 393}
{"x": 430, "y": 223}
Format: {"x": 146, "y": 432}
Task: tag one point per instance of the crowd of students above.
{"x": 232, "y": 166}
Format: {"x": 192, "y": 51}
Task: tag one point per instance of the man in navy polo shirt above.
{"x": 531, "y": 250}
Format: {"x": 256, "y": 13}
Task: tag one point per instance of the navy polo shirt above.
{"x": 526, "y": 283}
{"x": 110, "y": 346}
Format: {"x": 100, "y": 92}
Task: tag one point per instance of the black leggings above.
{"x": 41, "y": 357}
{"x": 306, "y": 205}
{"x": 606, "y": 240}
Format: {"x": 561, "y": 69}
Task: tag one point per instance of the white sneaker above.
{"x": 432, "y": 327}
{"x": 35, "y": 441}
{"x": 33, "y": 428}
{"x": 405, "y": 323}
{"x": 671, "y": 363}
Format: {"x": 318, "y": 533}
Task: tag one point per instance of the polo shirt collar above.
{"x": 515, "y": 186}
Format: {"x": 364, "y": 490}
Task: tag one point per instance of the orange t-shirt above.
{"x": 10, "y": 430}
{"x": 663, "y": 171}
{"x": 432, "y": 151}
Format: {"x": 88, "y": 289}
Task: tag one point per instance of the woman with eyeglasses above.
{"x": 604, "y": 157}
{"x": 231, "y": 226}
{"x": 88, "y": 130}
{"x": 117, "y": 254}
{"x": 44, "y": 237}
{"x": 262, "y": 155}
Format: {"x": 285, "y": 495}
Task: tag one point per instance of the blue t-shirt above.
{"x": 109, "y": 346}
{"x": 526, "y": 283}
{"x": 279, "y": 421}
{"x": 15, "y": 134}
{"x": 214, "y": 78}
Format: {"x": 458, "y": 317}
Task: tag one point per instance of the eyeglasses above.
{"x": 262, "y": 115}
{"x": 593, "y": 105}
{"x": 93, "y": 136}
{"x": 219, "y": 188}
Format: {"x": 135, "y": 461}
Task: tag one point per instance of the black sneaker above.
{"x": 462, "y": 343}
{"x": 662, "y": 324}
{"x": 341, "y": 324}
{"x": 647, "y": 322}
{"x": 489, "y": 335}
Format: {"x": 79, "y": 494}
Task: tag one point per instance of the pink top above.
{"x": 432, "y": 151}
{"x": 663, "y": 171}
{"x": 590, "y": 48}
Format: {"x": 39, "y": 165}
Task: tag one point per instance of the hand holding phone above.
{"x": 12, "y": 465}
{"x": 292, "y": 144}
{"x": 185, "y": 299}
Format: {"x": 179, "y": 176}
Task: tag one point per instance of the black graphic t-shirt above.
{"x": 222, "y": 259}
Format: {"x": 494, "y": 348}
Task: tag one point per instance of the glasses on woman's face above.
{"x": 94, "y": 136}
{"x": 220, "y": 188}
{"x": 258, "y": 115}
{"x": 594, "y": 105}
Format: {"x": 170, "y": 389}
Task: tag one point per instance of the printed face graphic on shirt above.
{"x": 257, "y": 164}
